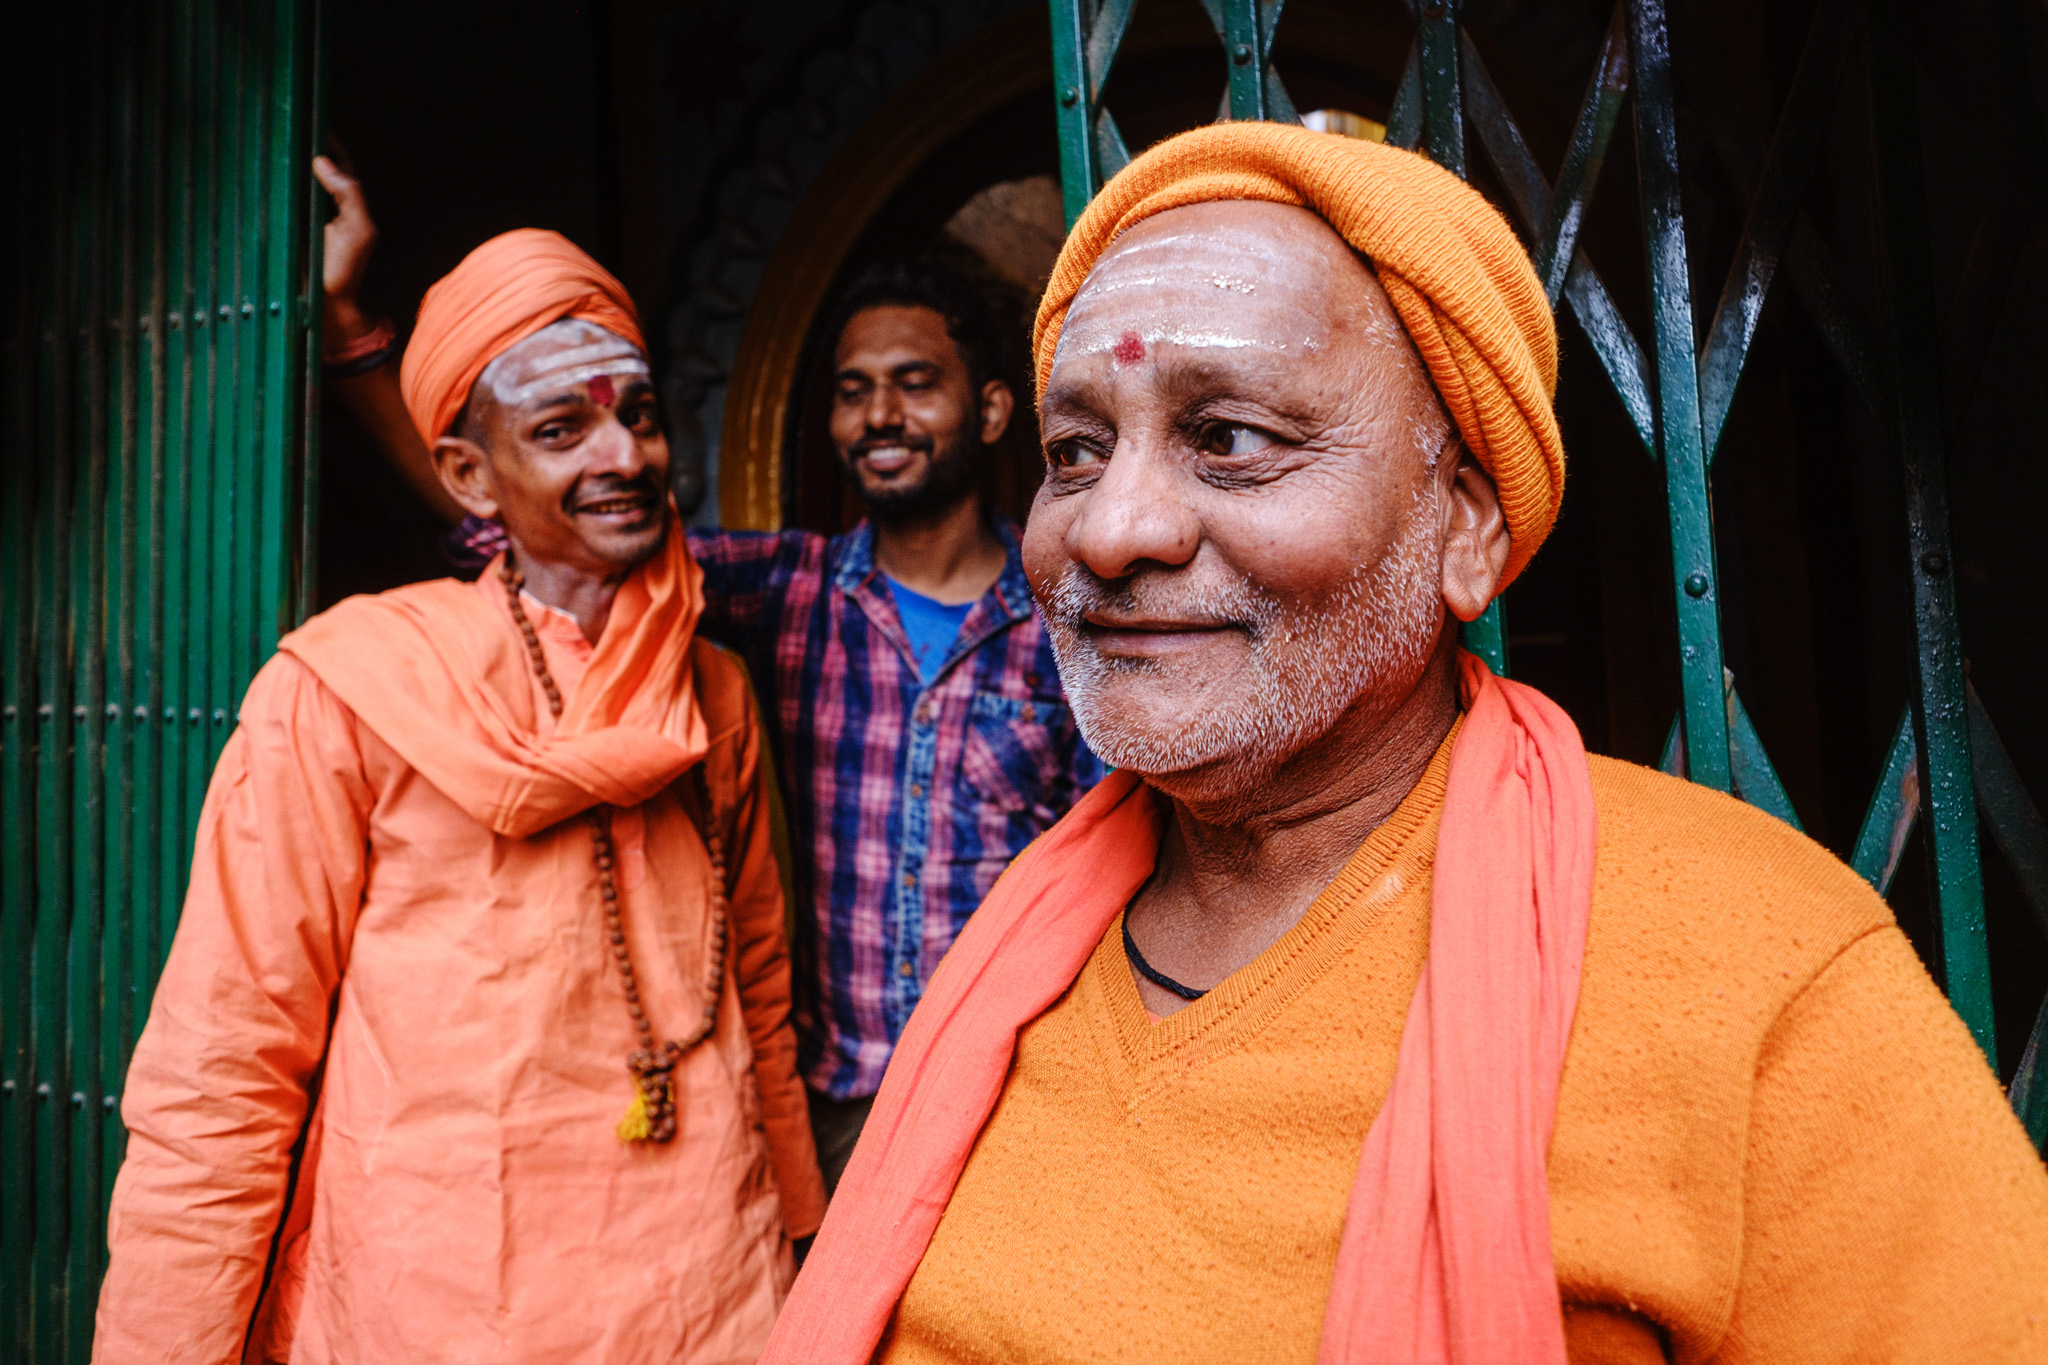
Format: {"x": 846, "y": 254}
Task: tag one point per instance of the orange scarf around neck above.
{"x": 438, "y": 672}
{"x": 1445, "y": 1257}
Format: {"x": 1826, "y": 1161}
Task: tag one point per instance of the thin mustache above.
{"x": 582, "y": 497}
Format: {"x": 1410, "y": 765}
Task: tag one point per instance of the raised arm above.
{"x": 217, "y": 1093}
{"x": 370, "y": 396}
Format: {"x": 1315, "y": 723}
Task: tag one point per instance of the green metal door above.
{"x": 1946, "y": 764}
{"x": 155, "y": 420}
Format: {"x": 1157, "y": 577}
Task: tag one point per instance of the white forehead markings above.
{"x": 1190, "y": 259}
{"x": 625, "y": 367}
{"x": 1094, "y": 341}
{"x": 1111, "y": 282}
{"x": 605, "y": 355}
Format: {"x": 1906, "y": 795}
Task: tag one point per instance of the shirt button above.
{"x": 924, "y": 715}
{"x": 917, "y": 789}
{"x": 906, "y": 969}
{"x": 910, "y": 879}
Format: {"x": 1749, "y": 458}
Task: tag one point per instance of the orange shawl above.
{"x": 1445, "y": 1255}
{"x": 451, "y": 692}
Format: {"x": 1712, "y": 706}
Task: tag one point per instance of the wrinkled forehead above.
{"x": 561, "y": 354}
{"x": 1236, "y": 275}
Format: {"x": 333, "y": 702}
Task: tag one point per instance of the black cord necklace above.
{"x": 1152, "y": 973}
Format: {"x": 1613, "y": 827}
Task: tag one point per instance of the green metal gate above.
{"x": 1946, "y": 763}
{"x": 155, "y": 419}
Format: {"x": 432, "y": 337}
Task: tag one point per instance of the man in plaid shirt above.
{"x": 907, "y": 678}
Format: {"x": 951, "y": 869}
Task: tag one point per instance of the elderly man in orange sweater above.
{"x": 1361, "y": 1015}
{"x": 474, "y": 1042}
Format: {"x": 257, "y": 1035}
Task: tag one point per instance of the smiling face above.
{"x": 908, "y": 420}
{"x": 1240, "y": 541}
{"x": 561, "y": 441}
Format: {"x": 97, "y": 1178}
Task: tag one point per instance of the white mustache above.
{"x": 1079, "y": 592}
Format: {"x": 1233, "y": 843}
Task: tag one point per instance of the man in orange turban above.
{"x": 473, "y": 1043}
{"x": 1361, "y": 1015}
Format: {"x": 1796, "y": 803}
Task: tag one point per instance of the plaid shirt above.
{"x": 906, "y": 800}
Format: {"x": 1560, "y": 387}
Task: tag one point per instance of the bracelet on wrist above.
{"x": 362, "y": 355}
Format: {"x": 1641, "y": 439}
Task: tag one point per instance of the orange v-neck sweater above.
{"x": 1774, "y": 1142}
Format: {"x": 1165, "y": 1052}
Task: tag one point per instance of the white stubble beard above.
{"x": 1311, "y": 664}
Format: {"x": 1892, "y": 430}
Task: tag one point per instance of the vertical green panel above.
{"x": 1941, "y": 712}
{"x": 248, "y": 625}
{"x": 1246, "y": 58}
{"x": 153, "y": 457}
{"x": 89, "y": 228}
{"x": 23, "y": 234}
{"x": 1076, "y": 113}
{"x": 217, "y": 552}
{"x": 202, "y": 393}
{"x": 277, "y": 335}
{"x": 49, "y": 1276}
{"x": 173, "y": 646}
{"x": 1678, "y": 410}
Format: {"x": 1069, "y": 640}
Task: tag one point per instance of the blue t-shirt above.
{"x": 931, "y": 626}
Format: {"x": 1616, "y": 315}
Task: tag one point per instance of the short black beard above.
{"x": 950, "y": 478}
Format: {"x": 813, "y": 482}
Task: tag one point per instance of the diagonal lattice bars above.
{"x": 1946, "y": 761}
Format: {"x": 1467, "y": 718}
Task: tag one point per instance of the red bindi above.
{"x": 1129, "y": 349}
{"x": 601, "y": 389}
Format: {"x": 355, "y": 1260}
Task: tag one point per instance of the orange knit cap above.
{"x": 1453, "y": 268}
{"x": 502, "y": 293}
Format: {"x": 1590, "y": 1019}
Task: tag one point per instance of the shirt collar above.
{"x": 1011, "y": 585}
{"x": 857, "y": 564}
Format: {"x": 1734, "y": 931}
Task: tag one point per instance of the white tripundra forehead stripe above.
{"x": 1238, "y": 240}
{"x": 1090, "y": 340}
{"x": 1112, "y": 282}
{"x": 555, "y": 380}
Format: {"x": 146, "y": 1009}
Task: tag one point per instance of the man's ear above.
{"x": 997, "y": 405}
{"x": 1475, "y": 534}
{"x": 465, "y": 471}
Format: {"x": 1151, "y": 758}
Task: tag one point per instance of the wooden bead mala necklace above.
{"x": 652, "y": 1117}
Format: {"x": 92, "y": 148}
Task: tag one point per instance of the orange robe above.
{"x": 393, "y": 950}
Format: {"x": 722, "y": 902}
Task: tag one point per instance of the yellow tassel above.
{"x": 635, "y": 1127}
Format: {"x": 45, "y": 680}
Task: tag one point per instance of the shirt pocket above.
{"x": 1013, "y": 758}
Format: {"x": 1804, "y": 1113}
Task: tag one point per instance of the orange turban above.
{"x": 1452, "y": 266}
{"x": 502, "y": 293}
